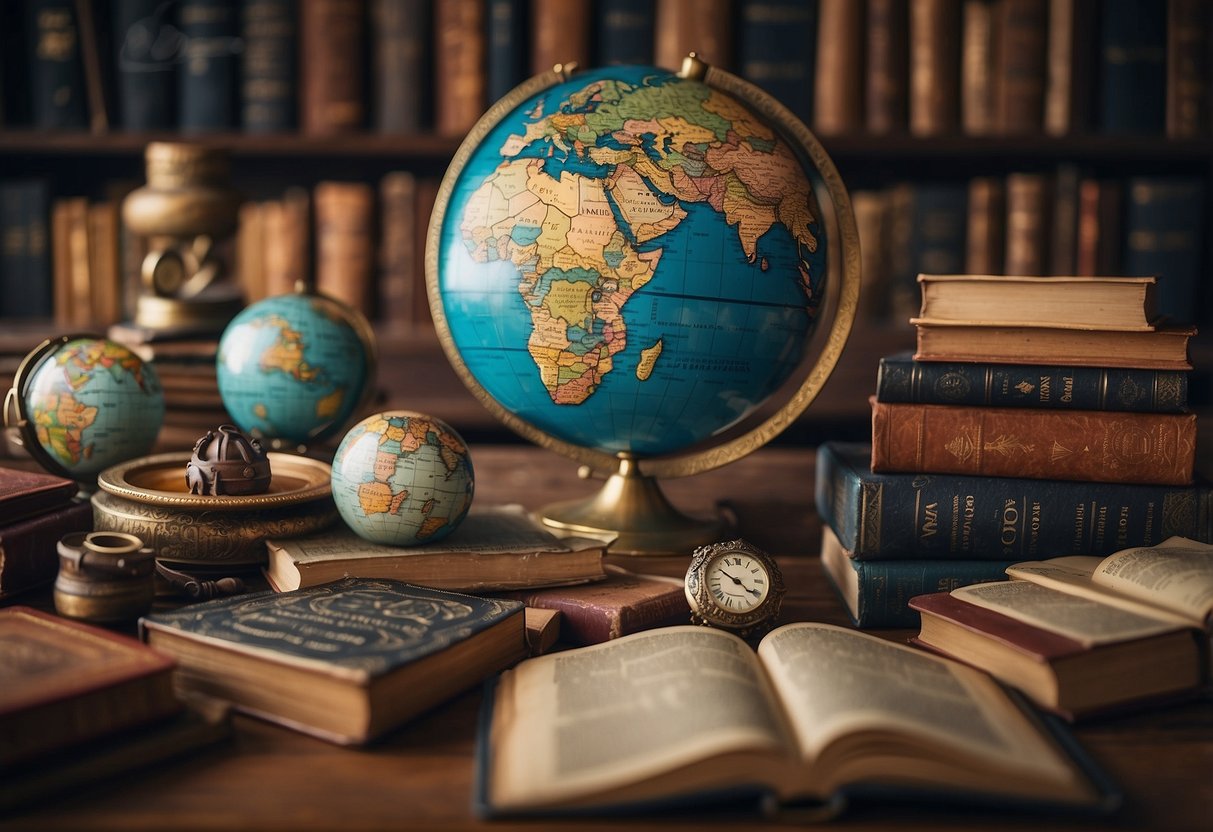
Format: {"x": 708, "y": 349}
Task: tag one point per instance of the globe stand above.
{"x": 631, "y": 508}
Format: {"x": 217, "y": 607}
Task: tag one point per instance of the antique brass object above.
{"x": 735, "y": 586}
{"x": 186, "y": 209}
{"x": 225, "y": 461}
{"x": 148, "y": 497}
{"x": 104, "y": 577}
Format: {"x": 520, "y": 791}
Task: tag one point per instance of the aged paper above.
{"x": 1177, "y": 574}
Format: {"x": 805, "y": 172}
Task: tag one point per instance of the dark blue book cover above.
{"x": 508, "y": 46}
{"x": 400, "y": 80}
{"x": 269, "y": 30}
{"x": 1166, "y": 234}
{"x": 776, "y": 49}
{"x": 56, "y": 67}
{"x": 25, "y": 266}
{"x": 14, "y": 66}
{"x": 624, "y": 31}
{"x": 892, "y": 516}
{"x": 927, "y": 227}
{"x": 147, "y": 47}
{"x": 1133, "y": 67}
{"x": 210, "y": 66}
{"x": 902, "y": 379}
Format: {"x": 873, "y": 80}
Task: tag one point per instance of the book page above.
{"x": 1084, "y": 620}
{"x": 1075, "y": 575}
{"x": 833, "y": 681}
{"x": 1176, "y": 574}
{"x": 617, "y": 713}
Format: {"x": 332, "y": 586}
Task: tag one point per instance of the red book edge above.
{"x": 1041, "y": 645}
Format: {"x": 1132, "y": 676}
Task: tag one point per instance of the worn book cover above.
{"x": 346, "y": 661}
{"x": 64, "y": 682}
{"x": 26, "y": 493}
{"x": 28, "y": 557}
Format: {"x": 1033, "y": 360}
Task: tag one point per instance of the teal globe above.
{"x": 402, "y": 478}
{"x": 630, "y": 261}
{"x": 88, "y": 403}
{"x": 294, "y": 367}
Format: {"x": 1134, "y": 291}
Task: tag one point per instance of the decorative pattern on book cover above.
{"x": 885, "y": 516}
{"x": 1009, "y": 442}
{"x": 360, "y": 628}
{"x": 903, "y": 380}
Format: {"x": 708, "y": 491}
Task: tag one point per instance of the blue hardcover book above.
{"x": 1165, "y": 237}
{"x": 25, "y": 265}
{"x": 345, "y": 661}
{"x": 877, "y": 593}
{"x": 206, "y": 84}
{"x": 1133, "y": 67}
{"x": 941, "y": 516}
{"x": 56, "y": 70}
{"x": 776, "y": 49}
{"x": 508, "y": 47}
{"x": 147, "y": 48}
{"x": 687, "y": 719}
{"x": 268, "y": 86}
{"x": 902, "y": 379}
{"x": 624, "y": 31}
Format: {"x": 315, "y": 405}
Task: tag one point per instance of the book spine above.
{"x": 1165, "y": 236}
{"x": 838, "y": 81}
{"x": 985, "y": 242}
{"x": 286, "y": 226}
{"x": 15, "y": 62}
{"x": 1099, "y": 224}
{"x": 887, "y": 67}
{"x": 940, "y": 216}
{"x": 1021, "y": 66}
{"x": 934, "y": 67}
{"x": 459, "y": 65}
{"x": 625, "y": 31}
{"x": 1063, "y": 249}
{"x": 28, "y": 557}
{"x": 1133, "y": 57}
{"x": 144, "y": 58}
{"x": 332, "y": 99}
{"x": 1028, "y": 222}
{"x": 871, "y": 221}
{"x": 267, "y": 87}
{"x": 206, "y": 85}
{"x": 560, "y": 33}
{"x": 25, "y": 268}
{"x": 776, "y": 49}
{"x": 401, "y": 29}
{"x": 397, "y": 284}
{"x": 903, "y": 380}
{"x": 56, "y": 68}
{"x": 1070, "y": 81}
{"x": 1006, "y": 442}
{"x": 1188, "y": 46}
{"x": 886, "y": 587}
{"x": 701, "y": 26}
{"x": 977, "y": 80}
{"x": 344, "y": 242}
{"x": 508, "y": 46}
{"x": 891, "y": 516}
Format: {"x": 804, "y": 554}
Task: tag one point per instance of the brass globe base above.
{"x": 631, "y": 507}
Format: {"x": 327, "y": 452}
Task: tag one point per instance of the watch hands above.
{"x": 737, "y": 581}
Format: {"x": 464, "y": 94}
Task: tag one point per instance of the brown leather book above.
{"x": 345, "y": 242}
{"x": 1188, "y": 46}
{"x": 704, "y": 27}
{"x": 331, "y": 75}
{"x": 978, "y": 77}
{"x": 427, "y": 194}
{"x": 460, "y": 77}
{"x": 287, "y": 241}
{"x": 1063, "y": 238}
{"x": 1070, "y": 67}
{"x": 872, "y": 222}
{"x": 934, "y": 67}
{"x": 1087, "y": 445}
{"x": 26, "y": 493}
{"x": 839, "y": 76}
{"x": 1099, "y": 225}
{"x": 888, "y": 70}
{"x": 105, "y": 281}
{"x": 560, "y": 33}
{"x": 1166, "y": 348}
{"x": 1029, "y": 218}
{"x": 28, "y": 557}
{"x": 250, "y": 251}
{"x": 66, "y": 683}
{"x": 398, "y": 283}
{"x": 1020, "y": 66}
{"x": 985, "y": 238}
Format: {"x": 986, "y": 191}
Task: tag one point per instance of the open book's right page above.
{"x": 1172, "y": 581}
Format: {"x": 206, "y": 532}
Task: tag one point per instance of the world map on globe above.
{"x": 94, "y": 403}
{"x": 631, "y": 261}
{"x": 292, "y": 367}
{"x": 402, "y": 478}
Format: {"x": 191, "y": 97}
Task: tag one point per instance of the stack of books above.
{"x": 1040, "y": 417}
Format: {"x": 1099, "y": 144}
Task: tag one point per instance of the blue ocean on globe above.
{"x": 292, "y": 367}
{"x": 631, "y": 261}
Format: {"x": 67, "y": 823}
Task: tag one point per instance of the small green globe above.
{"x": 294, "y": 367}
{"x": 86, "y": 403}
{"x": 402, "y": 478}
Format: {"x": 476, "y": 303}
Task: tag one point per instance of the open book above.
{"x": 1083, "y": 635}
{"x": 688, "y": 714}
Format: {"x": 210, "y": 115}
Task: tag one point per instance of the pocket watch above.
{"x": 735, "y": 586}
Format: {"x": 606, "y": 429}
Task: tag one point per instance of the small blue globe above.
{"x": 91, "y": 403}
{"x": 294, "y": 367}
{"x": 402, "y": 478}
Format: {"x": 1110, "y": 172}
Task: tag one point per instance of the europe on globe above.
{"x": 631, "y": 261}
{"x": 294, "y": 367}
{"x": 402, "y": 478}
{"x": 86, "y": 403}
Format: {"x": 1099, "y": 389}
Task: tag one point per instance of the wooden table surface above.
{"x": 269, "y": 778}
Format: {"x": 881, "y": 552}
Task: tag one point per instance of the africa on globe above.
{"x": 84, "y": 403}
{"x": 294, "y": 367}
{"x": 402, "y": 478}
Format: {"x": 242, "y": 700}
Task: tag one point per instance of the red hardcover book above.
{"x": 26, "y": 493}
{"x": 28, "y": 557}
{"x": 1088, "y": 445}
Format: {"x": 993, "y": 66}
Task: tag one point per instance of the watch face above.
{"x": 737, "y": 581}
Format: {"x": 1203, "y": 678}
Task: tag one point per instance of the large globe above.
{"x": 631, "y": 261}
{"x": 89, "y": 403}
{"x": 294, "y": 367}
{"x": 402, "y": 478}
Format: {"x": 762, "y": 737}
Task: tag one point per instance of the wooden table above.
{"x": 269, "y": 778}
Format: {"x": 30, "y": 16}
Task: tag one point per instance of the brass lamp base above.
{"x": 631, "y": 507}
